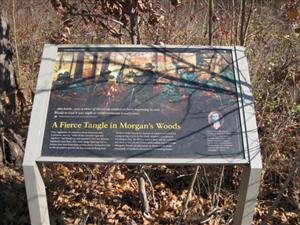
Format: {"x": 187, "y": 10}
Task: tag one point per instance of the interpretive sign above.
{"x": 143, "y": 104}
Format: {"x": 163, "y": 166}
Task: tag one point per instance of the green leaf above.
{"x": 270, "y": 62}
{"x": 296, "y": 108}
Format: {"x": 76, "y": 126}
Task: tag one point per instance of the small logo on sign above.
{"x": 215, "y": 119}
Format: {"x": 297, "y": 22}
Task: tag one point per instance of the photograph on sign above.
{"x": 150, "y": 102}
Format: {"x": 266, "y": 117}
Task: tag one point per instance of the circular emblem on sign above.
{"x": 215, "y": 119}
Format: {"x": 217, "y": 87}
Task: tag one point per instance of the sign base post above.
{"x": 247, "y": 195}
{"x": 36, "y": 195}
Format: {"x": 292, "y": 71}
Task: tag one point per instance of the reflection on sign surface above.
{"x": 150, "y": 102}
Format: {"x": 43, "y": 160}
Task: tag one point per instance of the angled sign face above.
{"x": 145, "y": 104}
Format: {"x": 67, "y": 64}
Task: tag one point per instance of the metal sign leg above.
{"x": 248, "y": 192}
{"x": 36, "y": 195}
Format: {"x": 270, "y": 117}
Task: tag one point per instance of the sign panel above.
{"x": 153, "y": 102}
{"x": 143, "y": 105}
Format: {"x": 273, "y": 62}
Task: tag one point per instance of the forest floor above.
{"x": 108, "y": 194}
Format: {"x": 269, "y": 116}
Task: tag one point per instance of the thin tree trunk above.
{"x": 135, "y": 40}
{"x": 133, "y": 17}
{"x": 143, "y": 193}
{"x": 185, "y": 206}
{"x": 16, "y": 42}
{"x": 237, "y": 23}
{"x": 210, "y": 11}
{"x": 232, "y": 23}
{"x": 243, "y": 13}
{"x": 248, "y": 20}
{"x": 190, "y": 191}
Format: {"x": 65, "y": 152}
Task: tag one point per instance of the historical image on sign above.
{"x": 147, "y": 102}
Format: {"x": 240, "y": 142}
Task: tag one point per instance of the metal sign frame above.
{"x": 35, "y": 188}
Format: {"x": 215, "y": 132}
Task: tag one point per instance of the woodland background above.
{"x": 103, "y": 194}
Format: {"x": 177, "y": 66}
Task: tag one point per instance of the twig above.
{"x": 292, "y": 171}
{"x": 142, "y": 190}
{"x": 237, "y": 23}
{"x": 101, "y": 17}
{"x": 150, "y": 182}
{"x": 86, "y": 219}
{"x": 204, "y": 185}
{"x": 16, "y": 44}
{"x": 206, "y": 179}
{"x": 3, "y": 158}
{"x": 204, "y": 27}
{"x": 219, "y": 188}
{"x": 214, "y": 194}
{"x": 264, "y": 108}
{"x": 248, "y": 19}
{"x": 210, "y": 11}
{"x": 184, "y": 175}
{"x": 185, "y": 205}
{"x": 232, "y": 22}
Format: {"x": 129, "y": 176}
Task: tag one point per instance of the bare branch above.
{"x": 101, "y": 17}
{"x": 248, "y": 18}
{"x": 185, "y": 205}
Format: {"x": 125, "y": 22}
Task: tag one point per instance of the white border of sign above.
{"x": 36, "y": 194}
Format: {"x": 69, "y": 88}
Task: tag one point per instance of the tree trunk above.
{"x": 133, "y": 17}
{"x": 11, "y": 146}
{"x": 243, "y": 14}
{"x": 7, "y": 80}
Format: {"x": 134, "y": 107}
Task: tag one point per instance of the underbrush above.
{"x": 99, "y": 194}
